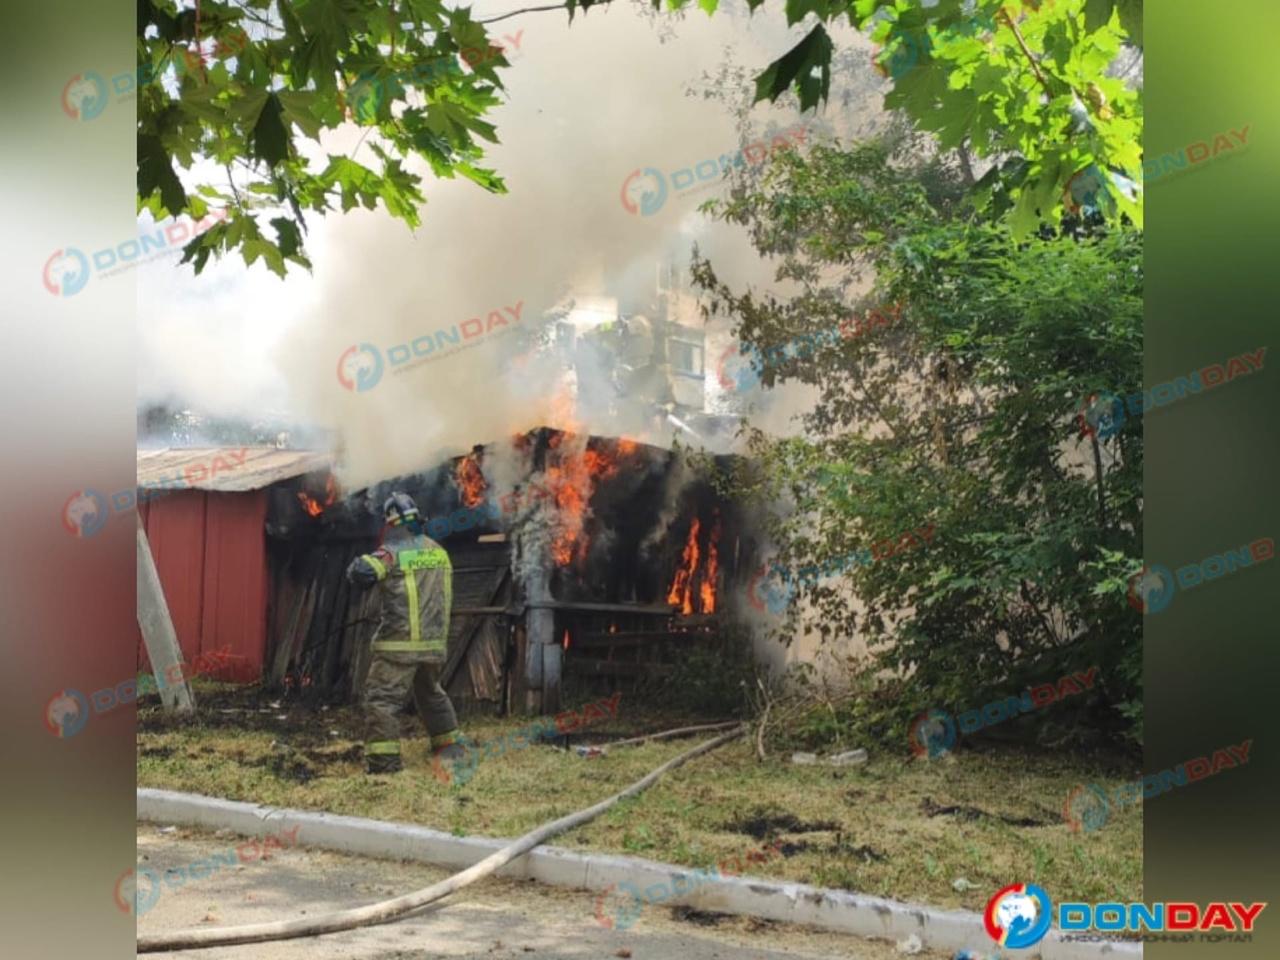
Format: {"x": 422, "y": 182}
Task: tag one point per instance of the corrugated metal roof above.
{"x": 224, "y": 469}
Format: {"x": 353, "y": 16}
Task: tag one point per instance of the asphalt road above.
{"x": 496, "y": 919}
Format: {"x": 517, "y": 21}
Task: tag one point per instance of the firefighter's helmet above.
{"x": 400, "y": 508}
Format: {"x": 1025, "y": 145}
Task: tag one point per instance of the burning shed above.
{"x": 581, "y": 564}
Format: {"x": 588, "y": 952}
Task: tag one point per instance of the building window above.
{"x": 686, "y": 358}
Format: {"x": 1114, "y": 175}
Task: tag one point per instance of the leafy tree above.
{"x": 236, "y": 89}
{"x": 1020, "y": 82}
{"x": 957, "y": 406}
{"x": 232, "y": 92}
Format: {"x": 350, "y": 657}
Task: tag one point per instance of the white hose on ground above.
{"x": 679, "y": 731}
{"x": 393, "y": 909}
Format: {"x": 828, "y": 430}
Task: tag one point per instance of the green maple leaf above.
{"x": 251, "y": 250}
{"x": 797, "y": 10}
{"x": 156, "y": 173}
{"x": 287, "y": 236}
{"x": 798, "y": 66}
{"x": 297, "y": 108}
{"x": 1131, "y": 18}
{"x": 271, "y": 141}
{"x": 356, "y": 183}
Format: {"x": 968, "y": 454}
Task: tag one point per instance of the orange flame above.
{"x": 570, "y": 482}
{"x": 313, "y": 506}
{"x": 708, "y": 590}
{"x": 470, "y": 480}
{"x": 566, "y": 638}
{"x": 682, "y": 593}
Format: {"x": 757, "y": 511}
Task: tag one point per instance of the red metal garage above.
{"x": 204, "y": 511}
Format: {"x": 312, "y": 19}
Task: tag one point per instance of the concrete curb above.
{"x": 836, "y": 910}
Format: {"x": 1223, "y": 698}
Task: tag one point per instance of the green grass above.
{"x": 866, "y": 829}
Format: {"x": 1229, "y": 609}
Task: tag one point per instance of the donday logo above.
{"x": 457, "y": 771}
{"x": 85, "y": 513}
{"x": 1083, "y": 187}
{"x": 1151, "y": 589}
{"x": 84, "y": 96}
{"x": 1018, "y": 916}
{"x": 129, "y": 898}
{"x": 776, "y": 595}
{"x": 366, "y": 96}
{"x": 66, "y": 713}
{"x": 735, "y": 370}
{"x": 66, "y": 272}
{"x": 905, "y": 56}
{"x": 600, "y": 917}
{"x": 368, "y": 372}
{"x": 1098, "y": 415}
{"x": 933, "y": 732}
{"x": 624, "y": 918}
{"x": 1086, "y": 807}
{"x": 651, "y": 201}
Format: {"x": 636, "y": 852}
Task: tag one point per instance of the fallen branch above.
{"x": 398, "y": 907}
{"x": 973, "y": 813}
{"x": 764, "y": 720}
{"x": 672, "y": 733}
{"x": 760, "y": 733}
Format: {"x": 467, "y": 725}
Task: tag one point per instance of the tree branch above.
{"x": 1102, "y": 496}
{"x": 553, "y": 6}
{"x": 963, "y": 152}
{"x": 1044, "y": 621}
{"x": 250, "y": 14}
{"x": 1035, "y": 67}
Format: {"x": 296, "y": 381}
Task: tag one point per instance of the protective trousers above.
{"x": 386, "y": 688}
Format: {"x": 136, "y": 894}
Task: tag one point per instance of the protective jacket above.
{"x": 415, "y": 580}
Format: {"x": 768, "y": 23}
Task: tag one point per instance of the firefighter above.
{"x": 416, "y": 585}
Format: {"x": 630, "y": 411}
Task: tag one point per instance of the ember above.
{"x": 313, "y": 506}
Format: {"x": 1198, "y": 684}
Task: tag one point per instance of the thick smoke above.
{"x": 587, "y": 104}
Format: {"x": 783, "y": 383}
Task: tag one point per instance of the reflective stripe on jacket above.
{"x": 415, "y": 579}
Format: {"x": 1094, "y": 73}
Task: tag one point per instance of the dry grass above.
{"x": 873, "y": 829}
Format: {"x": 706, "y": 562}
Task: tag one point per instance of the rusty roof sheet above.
{"x": 224, "y": 469}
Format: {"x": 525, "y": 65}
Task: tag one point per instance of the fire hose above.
{"x": 397, "y": 907}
